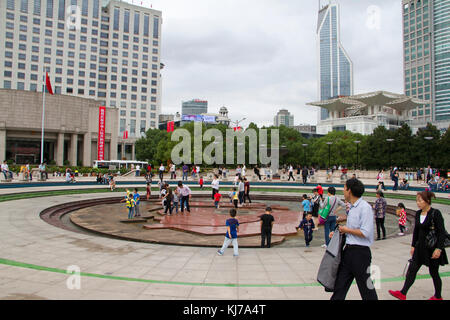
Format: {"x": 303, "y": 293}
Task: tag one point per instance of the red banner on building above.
{"x": 101, "y": 133}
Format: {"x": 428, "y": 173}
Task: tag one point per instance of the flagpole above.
{"x": 43, "y": 119}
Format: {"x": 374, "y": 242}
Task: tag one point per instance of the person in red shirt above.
{"x": 320, "y": 191}
{"x": 217, "y": 197}
{"x": 201, "y": 182}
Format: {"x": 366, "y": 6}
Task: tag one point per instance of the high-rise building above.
{"x": 426, "y": 43}
{"x": 335, "y": 66}
{"x": 105, "y": 50}
{"x": 194, "y": 107}
{"x": 284, "y": 118}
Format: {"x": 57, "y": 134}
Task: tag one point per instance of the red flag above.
{"x": 125, "y": 135}
{"x": 237, "y": 128}
{"x": 170, "y": 126}
{"x": 48, "y": 84}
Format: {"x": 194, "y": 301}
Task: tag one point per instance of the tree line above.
{"x": 380, "y": 150}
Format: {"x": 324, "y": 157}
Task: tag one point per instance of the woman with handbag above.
{"x": 428, "y": 246}
{"x": 331, "y": 202}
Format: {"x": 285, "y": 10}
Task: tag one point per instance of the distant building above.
{"x": 284, "y": 118}
{"x": 192, "y": 108}
{"x": 335, "y": 67}
{"x": 364, "y": 112}
{"x": 165, "y": 118}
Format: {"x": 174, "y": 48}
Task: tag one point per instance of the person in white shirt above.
{"x": 215, "y": 185}
{"x": 185, "y": 194}
{"x": 243, "y": 171}
{"x": 5, "y": 171}
{"x": 161, "y": 172}
{"x": 172, "y": 171}
{"x": 138, "y": 171}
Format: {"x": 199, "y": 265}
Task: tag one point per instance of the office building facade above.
{"x": 426, "y": 44}
{"x": 335, "y": 67}
{"x": 103, "y": 50}
{"x": 284, "y": 118}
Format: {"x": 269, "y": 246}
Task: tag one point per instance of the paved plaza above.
{"x": 34, "y": 258}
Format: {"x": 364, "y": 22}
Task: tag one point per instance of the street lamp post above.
{"x": 238, "y": 121}
{"x": 390, "y": 151}
{"x": 304, "y": 149}
{"x": 329, "y": 154}
{"x": 428, "y": 147}
{"x": 357, "y": 153}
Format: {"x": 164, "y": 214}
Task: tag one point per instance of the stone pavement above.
{"x": 34, "y": 256}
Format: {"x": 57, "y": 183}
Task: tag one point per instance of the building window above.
{"x": 24, "y": 6}
{"x": 61, "y": 9}
{"x": 126, "y": 21}
{"x": 136, "y": 22}
{"x": 156, "y": 27}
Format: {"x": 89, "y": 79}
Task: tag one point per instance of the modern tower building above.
{"x": 426, "y": 43}
{"x": 106, "y": 50}
{"x": 284, "y": 118}
{"x": 335, "y": 66}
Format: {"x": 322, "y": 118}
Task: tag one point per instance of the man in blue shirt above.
{"x": 356, "y": 258}
{"x": 232, "y": 225}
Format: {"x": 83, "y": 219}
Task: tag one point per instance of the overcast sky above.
{"x": 258, "y": 56}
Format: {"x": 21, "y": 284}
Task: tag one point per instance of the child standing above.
{"x": 149, "y": 190}
{"x": 232, "y": 225}
{"x": 401, "y": 213}
{"x": 130, "y": 206}
{"x": 306, "y": 206}
{"x": 137, "y": 201}
{"x": 175, "y": 200}
{"x": 217, "y": 197}
{"x": 266, "y": 227}
{"x": 200, "y": 181}
{"x": 307, "y": 225}
{"x": 234, "y": 197}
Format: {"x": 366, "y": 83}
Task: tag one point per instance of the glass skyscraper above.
{"x": 426, "y": 43}
{"x": 335, "y": 66}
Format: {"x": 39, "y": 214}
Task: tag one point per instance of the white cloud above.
{"x": 256, "y": 57}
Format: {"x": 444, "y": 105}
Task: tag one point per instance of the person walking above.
{"x": 232, "y": 225}
{"x": 161, "y": 172}
{"x": 380, "y": 179}
{"x": 307, "y": 225}
{"x": 168, "y": 200}
{"x": 149, "y": 190}
{"x": 380, "y": 214}
{"x": 257, "y": 172}
{"x": 137, "y": 201}
{"x": 395, "y": 179}
{"x": 356, "y": 257}
{"x": 241, "y": 189}
{"x": 426, "y": 220}
{"x": 138, "y": 170}
{"x": 247, "y": 190}
{"x": 172, "y": 172}
{"x": 305, "y": 174}
{"x": 186, "y": 195}
{"x": 330, "y": 223}
{"x": 291, "y": 172}
{"x": 185, "y": 172}
{"x": 401, "y": 213}
{"x": 267, "y": 221}
{"x": 215, "y": 185}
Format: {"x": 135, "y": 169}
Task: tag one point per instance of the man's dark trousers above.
{"x": 266, "y": 233}
{"x": 355, "y": 264}
{"x": 185, "y": 199}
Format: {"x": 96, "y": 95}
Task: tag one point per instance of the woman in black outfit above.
{"x": 421, "y": 254}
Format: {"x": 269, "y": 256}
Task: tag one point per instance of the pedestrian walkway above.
{"x": 35, "y": 255}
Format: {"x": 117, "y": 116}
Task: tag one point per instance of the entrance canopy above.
{"x": 399, "y": 102}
